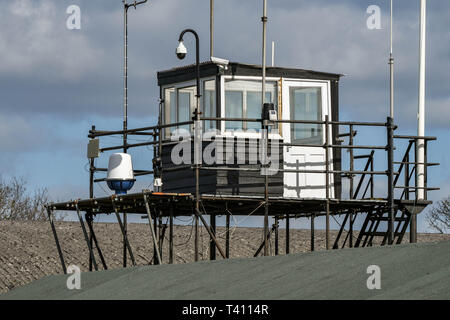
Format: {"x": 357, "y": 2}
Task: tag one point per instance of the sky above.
{"x": 56, "y": 82}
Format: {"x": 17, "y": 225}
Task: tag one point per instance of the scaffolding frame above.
{"x": 156, "y": 204}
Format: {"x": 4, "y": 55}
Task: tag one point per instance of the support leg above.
{"x": 227, "y": 240}
{"x": 152, "y": 230}
{"x": 413, "y": 229}
{"x": 124, "y": 234}
{"x": 212, "y": 246}
{"x": 287, "y": 234}
{"x": 351, "y": 230}
{"x": 161, "y": 230}
{"x": 213, "y": 236}
{"x": 55, "y": 235}
{"x": 171, "y": 235}
{"x": 156, "y": 233}
{"x": 196, "y": 238}
{"x": 276, "y": 236}
{"x": 313, "y": 217}
{"x": 266, "y": 239}
{"x": 86, "y": 237}
{"x": 94, "y": 238}
{"x": 327, "y": 236}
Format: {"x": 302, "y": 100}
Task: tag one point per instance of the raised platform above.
{"x": 183, "y": 204}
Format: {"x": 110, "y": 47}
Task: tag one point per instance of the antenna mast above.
{"x": 211, "y": 28}
{"x": 391, "y": 64}
{"x": 125, "y": 68}
{"x": 265, "y": 132}
{"x": 421, "y": 109}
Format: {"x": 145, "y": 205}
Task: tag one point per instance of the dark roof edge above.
{"x": 209, "y": 68}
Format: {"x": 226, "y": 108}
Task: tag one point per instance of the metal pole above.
{"x": 413, "y": 223}
{"x": 390, "y": 136}
{"x": 211, "y": 28}
{"x": 287, "y": 234}
{"x": 327, "y": 182}
{"x": 125, "y": 113}
{"x": 160, "y": 234}
{"x": 125, "y": 232}
{"x": 273, "y": 53}
{"x": 155, "y": 230}
{"x": 125, "y": 67}
{"x": 312, "y": 232}
{"x": 227, "y": 239}
{"x": 116, "y": 211}
{"x": 171, "y": 235}
{"x": 352, "y": 160}
{"x": 276, "y": 236}
{"x": 89, "y": 220}
{"x": 413, "y": 229}
{"x": 196, "y": 123}
{"x": 91, "y": 196}
{"x": 125, "y": 76}
{"x": 351, "y": 230}
{"x": 152, "y": 230}
{"x": 55, "y": 235}
{"x": 262, "y": 243}
{"x": 391, "y": 65}
{"x": 86, "y": 237}
{"x": 208, "y": 229}
{"x": 421, "y": 111}
{"x": 212, "y": 246}
{"x": 196, "y": 238}
{"x": 371, "y": 177}
{"x": 265, "y": 131}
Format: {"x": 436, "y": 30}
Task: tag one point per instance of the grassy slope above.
{"x": 420, "y": 271}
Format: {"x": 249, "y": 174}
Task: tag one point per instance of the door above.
{"x": 303, "y": 100}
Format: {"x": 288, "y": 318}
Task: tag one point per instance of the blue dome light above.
{"x": 121, "y": 187}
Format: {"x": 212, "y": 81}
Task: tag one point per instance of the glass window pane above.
{"x": 169, "y": 109}
{"x": 250, "y": 99}
{"x": 254, "y": 108}
{"x": 209, "y": 103}
{"x": 185, "y": 105}
{"x": 306, "y": 105}
{"x": 233, "y": 109}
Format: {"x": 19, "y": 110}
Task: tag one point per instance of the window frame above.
{"x": 319, "y": 139}
{"x": 181, "y": 85}
{"x": 245, "y": 134}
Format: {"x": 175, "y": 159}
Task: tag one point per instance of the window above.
{"x": 170, "y": 114}
{"x": 209, "y": 103}
{"x": 179, "y": 106}
{"x": 306, "y": 104}
{"x": 243, "y": 100}
{"x": 234, "y": 109}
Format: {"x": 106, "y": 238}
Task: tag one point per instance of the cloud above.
{"x": 56, "y": 82}
{"x": 35, "y": 43}
{"x": 79, "y": 73}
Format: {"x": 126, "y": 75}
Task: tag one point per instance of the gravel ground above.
{"x": 28, "y": 251}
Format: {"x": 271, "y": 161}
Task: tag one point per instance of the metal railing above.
{"x": 367, "y": 172}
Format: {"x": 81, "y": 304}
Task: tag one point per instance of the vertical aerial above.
{"x": 211, "y": 28}
{"x": 421, "y": 109}
{"x": 391, "y": 64}
{"x": 265, "y": 131}
{"x": 125, "y": 94}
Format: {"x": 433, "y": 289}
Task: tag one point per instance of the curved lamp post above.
{"x": 181, "y": 52}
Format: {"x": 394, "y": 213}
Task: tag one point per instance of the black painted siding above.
{"x": 222, "y": 182}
